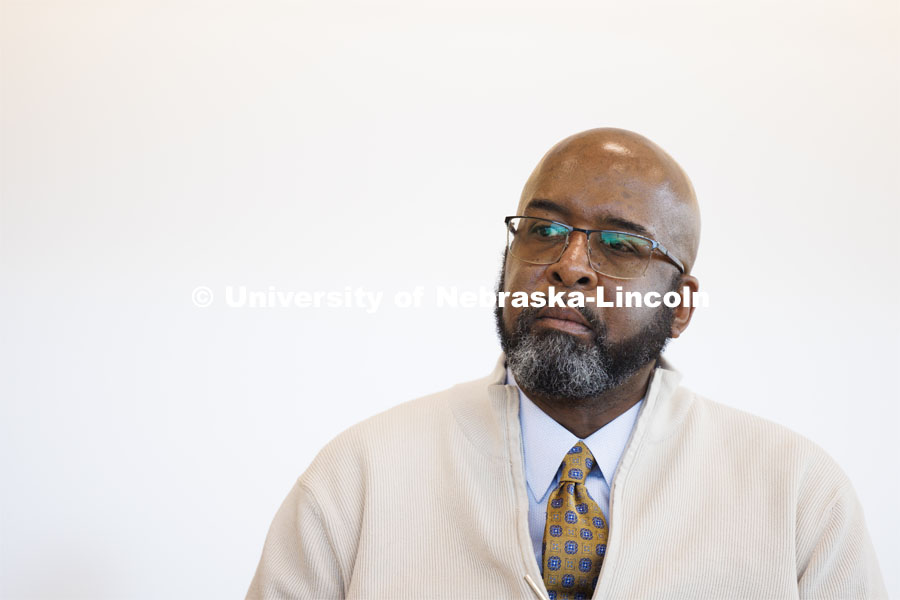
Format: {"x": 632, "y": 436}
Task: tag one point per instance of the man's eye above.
{"x": 547, "y": 231}
{"x": 620, "y": 245}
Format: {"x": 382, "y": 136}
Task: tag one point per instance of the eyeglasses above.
{"x": 615, "y": 254}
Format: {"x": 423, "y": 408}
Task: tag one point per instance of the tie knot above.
{"x": 577, "y": 463}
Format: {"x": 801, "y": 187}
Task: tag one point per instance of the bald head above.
{"x": 614, "y": 171}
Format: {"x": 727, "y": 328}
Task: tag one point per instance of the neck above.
{"x": 585, "y": 416}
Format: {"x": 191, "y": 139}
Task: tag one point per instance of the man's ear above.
{"x": 683, "y": 313}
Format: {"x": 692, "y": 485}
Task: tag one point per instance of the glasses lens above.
{"x": 538, "y": 241}
{"x": 620, "y": 254}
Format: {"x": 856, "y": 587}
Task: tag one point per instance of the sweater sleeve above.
{"x": 838, "y": 560}
{"x": 298, "y": 560}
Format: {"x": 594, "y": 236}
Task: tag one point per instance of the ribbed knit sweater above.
{"x": 428, "y": 500}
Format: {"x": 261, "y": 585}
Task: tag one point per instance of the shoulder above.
{"x": 407, "y": 432}
{"x": 746, "y": 441}
{"x": 790, "y": 482}
{"x": 746, "y": 429}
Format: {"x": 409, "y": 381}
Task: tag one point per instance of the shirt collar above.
{"x": 545, "y": 442}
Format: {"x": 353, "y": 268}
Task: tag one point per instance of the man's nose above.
{"x": 573, "y": 270}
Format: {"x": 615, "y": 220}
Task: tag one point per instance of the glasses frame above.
{"x": 654, "y": 245}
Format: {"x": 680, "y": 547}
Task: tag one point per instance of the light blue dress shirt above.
{"x": 545, "y": 443}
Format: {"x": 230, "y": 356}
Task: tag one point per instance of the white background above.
{"x": 152, "y": 147}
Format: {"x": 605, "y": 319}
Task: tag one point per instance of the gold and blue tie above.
{"x": 576, "y": 532}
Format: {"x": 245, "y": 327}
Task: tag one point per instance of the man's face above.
{"x": 576, "y": 360}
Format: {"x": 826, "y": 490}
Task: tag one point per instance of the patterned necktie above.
{"x": 576, "y": 532}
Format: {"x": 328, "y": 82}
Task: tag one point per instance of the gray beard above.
{"x": 559, "y": 366}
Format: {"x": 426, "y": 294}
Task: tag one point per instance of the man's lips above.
{"x": 564, "y": 319}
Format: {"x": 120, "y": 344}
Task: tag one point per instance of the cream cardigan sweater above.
{"x": 428, "y": 500}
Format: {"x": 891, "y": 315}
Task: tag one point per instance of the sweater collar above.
{"x": 484, "y": 420}
{"x": 545, "y": 442}
{"x": 656, "y": 415}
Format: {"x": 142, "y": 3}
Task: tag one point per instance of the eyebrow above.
{"x": 610, "y": 220}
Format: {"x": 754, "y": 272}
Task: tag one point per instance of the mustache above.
{"x": 530, "y": 314}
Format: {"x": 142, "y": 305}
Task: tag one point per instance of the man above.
{"x": 579, "y": 468}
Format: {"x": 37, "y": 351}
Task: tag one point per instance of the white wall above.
{"x": 152, "y": 147}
